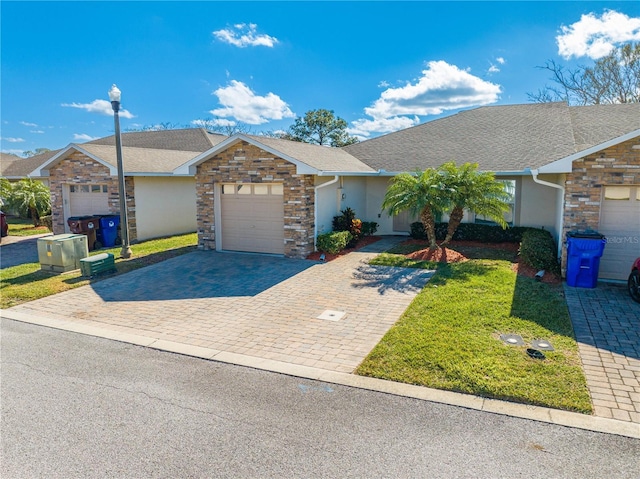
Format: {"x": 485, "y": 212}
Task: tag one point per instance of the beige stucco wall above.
{"x": 165, "y": 206}
{"x": 539, "y": 206}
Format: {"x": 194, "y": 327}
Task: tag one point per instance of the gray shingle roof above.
{"x": 321, "y": 158}
{"x": 186, "y": 139}
{"x": 141, "y": 160}
{"x": 500, "y": 138}
{"x": 13, "y": 167}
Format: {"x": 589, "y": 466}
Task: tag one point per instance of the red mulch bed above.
{"x": 364, "y": 241}
{"x": 449, "y": 254}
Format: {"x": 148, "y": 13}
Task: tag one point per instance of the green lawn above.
{"x": 448, "y": 338}
{"x": 24, "y": 227}
{"x": 27, "y": 282}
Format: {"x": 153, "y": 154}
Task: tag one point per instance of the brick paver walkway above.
{"x": 607, "y": 326}
{"x": 257, "y": 305}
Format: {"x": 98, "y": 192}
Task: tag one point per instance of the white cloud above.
{"x": 242, "y": 104}
{"x": 245, "y": 35}
{"x": 99, "y": 106}
{"x": 501, "y": 60}
{"x": 493, "y": 69}
{"x": 84, "y": 137}
{"x": 213, "y": 122}
{"x": 363, "y": 128}
{"x": 33, "y": 125}
{"x": 13, "y": 152}
{"x": 595, "y": 37}
{"x": 441, "y": 87}
{"x": 12, "y": 139}
{"x": 36, "y": 131}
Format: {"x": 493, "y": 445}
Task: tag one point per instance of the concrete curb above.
{"x": 535, "y": 413}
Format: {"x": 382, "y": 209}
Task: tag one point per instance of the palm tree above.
{"x": 421, "y": 193}
{"x": 32, "y": 196}
{"x": 475, "y": 191}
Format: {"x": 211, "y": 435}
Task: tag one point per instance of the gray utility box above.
{"x": 61, "y": 253}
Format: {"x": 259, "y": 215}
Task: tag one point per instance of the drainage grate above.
{"x": 512, "y": 339}
{"x": 331, "y": 315}
{"x": 542, "y": 344}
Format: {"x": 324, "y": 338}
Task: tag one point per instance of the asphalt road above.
{"x": 75, "y": 406}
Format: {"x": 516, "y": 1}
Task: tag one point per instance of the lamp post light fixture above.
{"x": 114, "y": 96}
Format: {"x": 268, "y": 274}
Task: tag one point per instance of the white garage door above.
{"x": 620, "y": 223}
{"x": 88, "y": 200}
{"x": 252, "y": 218}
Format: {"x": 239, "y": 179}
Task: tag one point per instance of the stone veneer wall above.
{"x": 617, "y": 165}
{"x": 246, "y": 163}
{"x": 79, "y": 169}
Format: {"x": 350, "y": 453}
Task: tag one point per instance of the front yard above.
{"x": 449, "y": 337}
{"x": 27, "y": 282}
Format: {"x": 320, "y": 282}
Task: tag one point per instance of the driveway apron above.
{"x": 606, "y": 322}
{"x": 323, "y": 315}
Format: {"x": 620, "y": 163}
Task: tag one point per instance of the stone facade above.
{"x": 78, "y": 169}
{"x": 617, "y": 165}
{"x": 246, "y": 163}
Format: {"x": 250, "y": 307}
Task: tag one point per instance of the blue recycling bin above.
{"x": 108, "y": 231}
{"x": 584, "y": 251}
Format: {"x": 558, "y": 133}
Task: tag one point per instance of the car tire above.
{"x": 634, "y": 285}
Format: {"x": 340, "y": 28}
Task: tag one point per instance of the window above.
{"x": 617, "y": 192}
{"x": 277, "y": 189}
{"x": 228, "y": 189}
{"x": 509, "y": 216}
{"x": 260, "y": 189}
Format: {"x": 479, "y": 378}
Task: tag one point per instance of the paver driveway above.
{"x": 260, "y": 306}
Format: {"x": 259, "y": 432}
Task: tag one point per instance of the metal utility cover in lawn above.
{"x": 512, "y": 339}
{"x": 542, "y": 344}
{"x": 331, "y": 315}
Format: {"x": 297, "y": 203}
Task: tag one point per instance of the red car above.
{"x": 634, "y": 281}
{"x": 4, "y": 227}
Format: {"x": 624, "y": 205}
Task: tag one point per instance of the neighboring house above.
{"x": 83, "y": 179}
{"x": 16, "y": 168}
{"x": 568, "y": 168}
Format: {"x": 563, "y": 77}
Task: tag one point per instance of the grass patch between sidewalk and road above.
{"x": 27, "y": 282}
{"x": 449, "y": 337}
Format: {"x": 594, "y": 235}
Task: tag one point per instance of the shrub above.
{"x": 538, "y": 250}
{"x": 343, "y": 221}
{"x": 347, "y": 221}
{"x": 474, "y": 232}
{"x": 333, "y": 242}
{"x": 369, "y": 228}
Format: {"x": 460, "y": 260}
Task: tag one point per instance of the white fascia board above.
{"x": 189, "y": 168}
{"x": 565, "y": 165}
{"x": 43, "y": 170}
{"x": 348, "y": 173}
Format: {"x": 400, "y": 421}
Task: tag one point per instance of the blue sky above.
{"x": 381, "y": 66}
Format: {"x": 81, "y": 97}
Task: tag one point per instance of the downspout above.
{"x": 315, "y": 207}
{"x": 534, "y": 175}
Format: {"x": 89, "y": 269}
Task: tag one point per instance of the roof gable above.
{"x": 308, "y": 159}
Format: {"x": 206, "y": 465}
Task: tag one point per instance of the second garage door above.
{"x": 252, "y": 218}
{"x": 620, "y": 223}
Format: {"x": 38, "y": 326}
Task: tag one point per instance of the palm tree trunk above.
{"x": 429, "y": 223}
{"x": 454, "y": 221}
{"x": 35, "y": 217}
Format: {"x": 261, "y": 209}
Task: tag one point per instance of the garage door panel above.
{"x": 620, "y": 223}
{"x": 252, "y": 223}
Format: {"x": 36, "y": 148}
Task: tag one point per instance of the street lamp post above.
{"x": 114, "y": 96}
